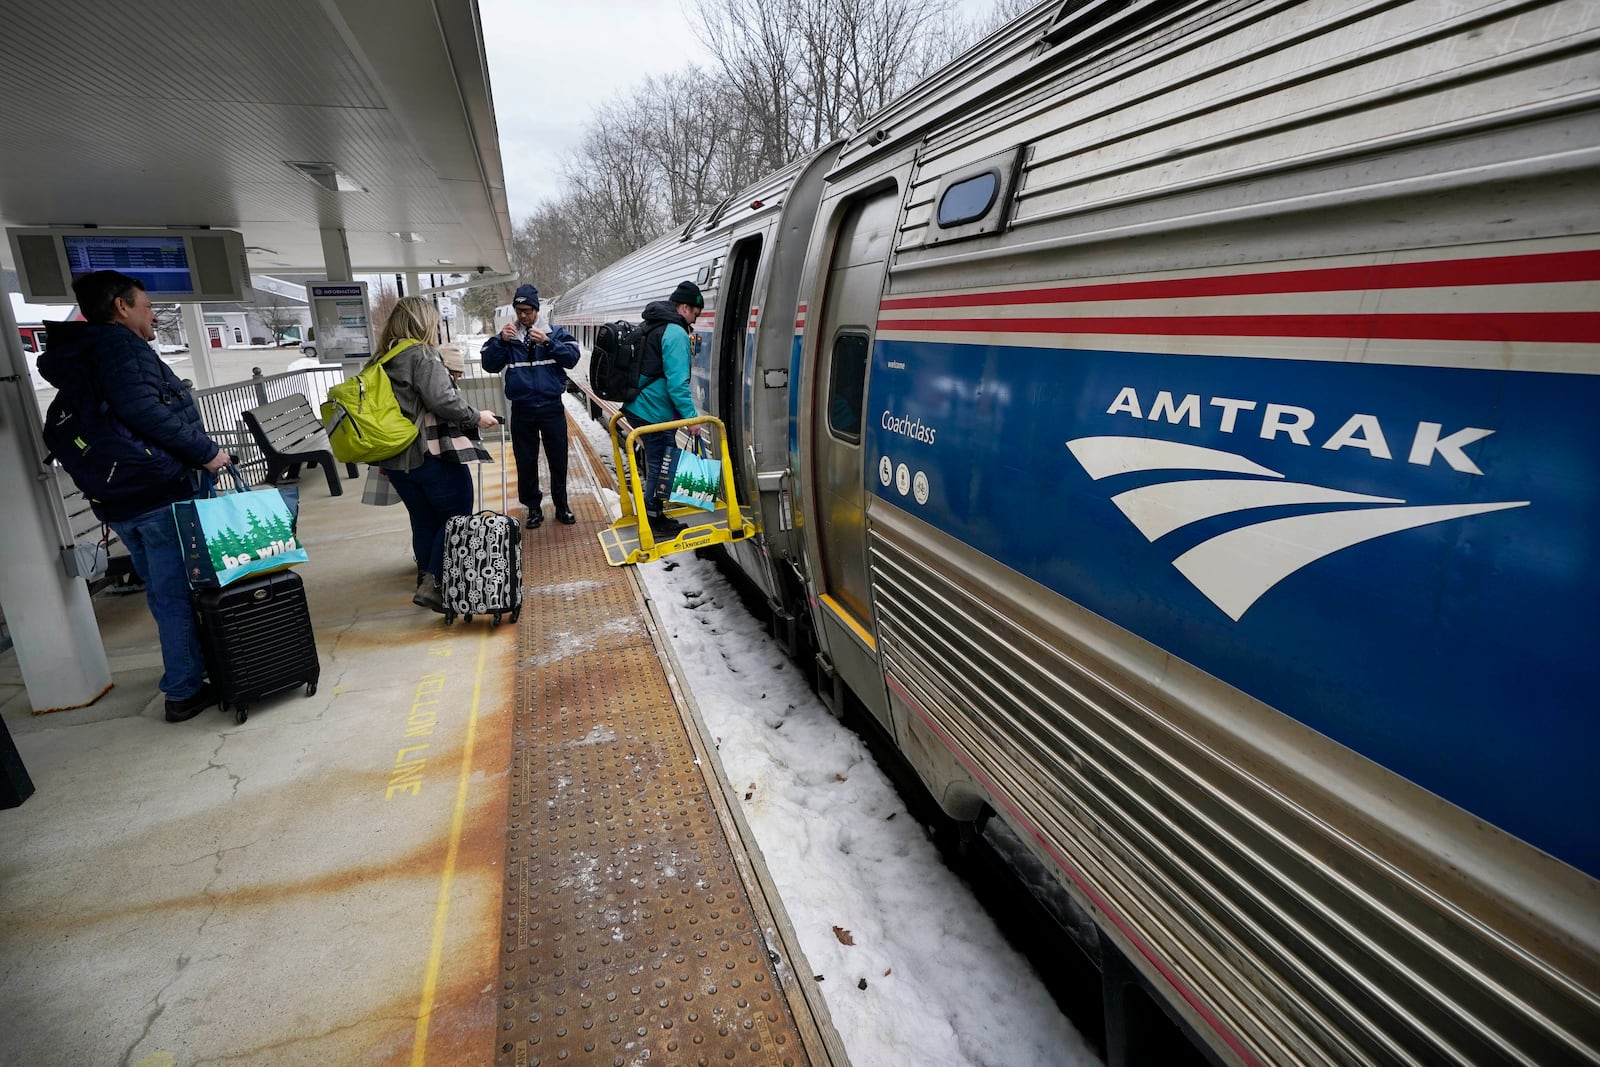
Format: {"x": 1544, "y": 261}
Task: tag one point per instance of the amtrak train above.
{"x": 1175, "y": 425}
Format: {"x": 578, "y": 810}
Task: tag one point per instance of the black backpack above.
{"x": 617, "y": 364}
{"x": 108, "y": 462}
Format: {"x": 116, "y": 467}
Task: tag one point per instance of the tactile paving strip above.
{"x": 628, "y": 935}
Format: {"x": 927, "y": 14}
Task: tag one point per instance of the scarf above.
{"x": 453, "y": 444}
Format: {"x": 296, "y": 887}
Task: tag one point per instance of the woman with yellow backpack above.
{"x": 433, "y": 485}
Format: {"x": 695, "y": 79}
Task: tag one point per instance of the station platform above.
{"x": 471, "y": 845}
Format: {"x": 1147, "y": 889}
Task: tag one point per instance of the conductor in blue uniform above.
{"x": 535, "y": 358}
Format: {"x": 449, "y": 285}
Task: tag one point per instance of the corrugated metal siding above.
{"x": 1307, "y": 944}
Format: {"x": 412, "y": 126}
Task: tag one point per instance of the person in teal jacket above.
{"x": 664, "y": 393}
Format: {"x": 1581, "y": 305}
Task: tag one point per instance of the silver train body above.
{"x": 1175, "y": 424}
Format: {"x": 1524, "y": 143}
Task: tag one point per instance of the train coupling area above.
{"x": 630, "y": 539}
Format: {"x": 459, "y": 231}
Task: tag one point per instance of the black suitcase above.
{"x": 483, "y": 558}
{"x": 257, "y": 639}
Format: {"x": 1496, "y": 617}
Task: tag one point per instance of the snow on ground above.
{"x": 912, "y": 968}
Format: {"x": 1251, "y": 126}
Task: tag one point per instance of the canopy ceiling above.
{"x": 189, "y": 112}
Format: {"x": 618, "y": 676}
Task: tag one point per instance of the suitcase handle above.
{"x": 505, "y": 491}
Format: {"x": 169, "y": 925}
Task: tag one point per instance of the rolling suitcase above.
{"x": 483, "y": 558}
{"x": 257, "y": 639}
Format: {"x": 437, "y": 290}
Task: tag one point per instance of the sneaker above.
{"x": 428, "y": 595}
{"x": 664, "y": 527}
{"x": 565, "y": 516}
{"x": 190, "y": 706}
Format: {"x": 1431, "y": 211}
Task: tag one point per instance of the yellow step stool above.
{"x": 630, "y": 540}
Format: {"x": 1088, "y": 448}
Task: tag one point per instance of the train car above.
{"x": 1187, "y": 456}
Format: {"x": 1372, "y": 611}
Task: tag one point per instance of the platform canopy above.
{"x": 279, "y": 120}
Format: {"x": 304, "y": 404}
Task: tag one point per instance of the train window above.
{"x": 847, "y": 385}
{"x": 969, "y": 199}
{"x": 975, "y": 199}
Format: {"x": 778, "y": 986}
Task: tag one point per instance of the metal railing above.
{"x": 222, "y": 407}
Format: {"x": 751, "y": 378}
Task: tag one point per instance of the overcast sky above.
{"x": 551, "y": 64}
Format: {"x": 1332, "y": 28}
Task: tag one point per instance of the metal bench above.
{"x": 97, "y": 556}
{"x": 290, "y": 435}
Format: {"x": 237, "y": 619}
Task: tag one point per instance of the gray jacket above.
{"x": 421, "y": 383}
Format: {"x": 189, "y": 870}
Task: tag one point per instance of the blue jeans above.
{"x": 432, "y": 493}
{"x": 656, "y": 445}
{"x": 152, "y": 540}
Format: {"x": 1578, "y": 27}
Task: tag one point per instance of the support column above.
{"x": 53, "y": 628}
{"x": 194, "y": 325}
{"x": 336, "y": 255}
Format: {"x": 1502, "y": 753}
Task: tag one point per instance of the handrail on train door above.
{"x": 630, "y": 540}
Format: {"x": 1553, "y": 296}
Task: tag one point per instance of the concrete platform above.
{"x": 326, "y": 882}
{"x": 319, "y": 885}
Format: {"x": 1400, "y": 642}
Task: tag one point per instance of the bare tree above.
{"x": 789, "y": 78}
{"x": 383, "y": 302}
{"x": 689, "y": 142}
{"x": 754, "y": 48}
{"x": 808, "y": 73}
{"x": 546, "y": 248}
{"x": 479, "y": 301}
{"x": 612, "y": 183}
{"x": 274, "y": 313}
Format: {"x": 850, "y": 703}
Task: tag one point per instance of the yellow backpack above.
{"x": 362, "y": 416}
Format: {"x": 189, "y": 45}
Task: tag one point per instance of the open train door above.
{"x": 836, "y": 402}
{"x": 734, "y": 349}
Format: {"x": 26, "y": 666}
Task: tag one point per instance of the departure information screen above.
{"x": 159, "y": 262}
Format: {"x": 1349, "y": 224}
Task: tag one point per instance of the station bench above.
{"x": 290, "y": 435}
{"x": 102, "y": 560}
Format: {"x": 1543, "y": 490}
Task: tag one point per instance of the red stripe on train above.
{"x": 1503, "y": 270}
{"x": 1556, "y": 326}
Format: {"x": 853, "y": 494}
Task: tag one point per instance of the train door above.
{"x": 733, "y": 319}
{"x": 838, "y": 395}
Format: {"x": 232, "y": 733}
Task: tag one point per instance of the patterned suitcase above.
{"x": 483, "y": 558}
{"x": 257, "y": 639}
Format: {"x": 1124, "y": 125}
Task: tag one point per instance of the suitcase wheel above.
{"x": 241, "y": 715}
{"x": 449, "y": 617}
{"x": 311, "y": 689}
{"x": 515, "y": 612}
{"x": 466, "y": 618}
{"x": 496, "y": 620}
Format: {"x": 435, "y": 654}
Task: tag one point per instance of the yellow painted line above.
{"x": 441, "y": 910}
{"x": 849, "y": 620}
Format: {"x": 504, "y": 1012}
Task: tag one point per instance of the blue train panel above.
{"x": 1400, "y": 557}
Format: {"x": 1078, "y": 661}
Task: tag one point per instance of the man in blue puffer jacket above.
{"x": 110, "y": 355}
{"x": 535, "y": 360}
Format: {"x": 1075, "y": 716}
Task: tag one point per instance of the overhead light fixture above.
{"x": 445, "y": 262}
{"x": 326, "y": 175}
{"x": 257, "y": 250}
{"x": 407, "y": 237}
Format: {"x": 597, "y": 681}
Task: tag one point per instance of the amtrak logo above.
{"x": 1234, "y": 569}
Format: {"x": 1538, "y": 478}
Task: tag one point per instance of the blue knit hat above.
{"x": 526, "y": 294}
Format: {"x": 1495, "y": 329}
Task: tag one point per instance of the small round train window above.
{"x": 969, "y": 200}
